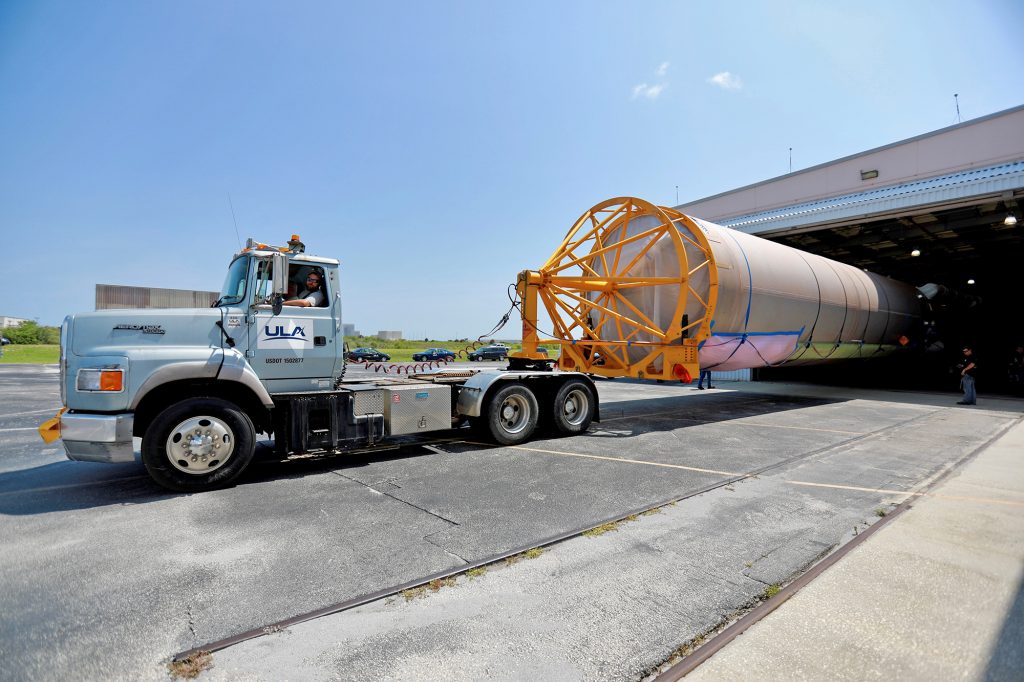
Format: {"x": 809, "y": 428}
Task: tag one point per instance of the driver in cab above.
{"x": 312, "y": 296}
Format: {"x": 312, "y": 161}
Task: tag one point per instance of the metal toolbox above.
{"x": 417, "y": 408}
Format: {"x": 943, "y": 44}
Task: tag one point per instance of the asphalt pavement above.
{"x": 107, "y": 576}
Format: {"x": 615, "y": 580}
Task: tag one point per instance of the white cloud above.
{"x": 648, "y": 91}
{"x": 726, "y": 81}
{"x": 663, "y": 69}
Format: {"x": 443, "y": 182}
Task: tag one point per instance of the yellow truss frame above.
{"x": 586, "y": 274}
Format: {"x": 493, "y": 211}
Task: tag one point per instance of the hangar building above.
{"x": 944, "y": 207}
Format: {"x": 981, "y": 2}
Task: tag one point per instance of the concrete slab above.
{"x": 936, "y": 595}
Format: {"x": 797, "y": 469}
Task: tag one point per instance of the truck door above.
{"x": 294, "y": 350}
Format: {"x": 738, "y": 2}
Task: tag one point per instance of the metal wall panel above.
{"x": 117, "y": 296}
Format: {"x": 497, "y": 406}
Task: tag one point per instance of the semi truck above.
{"x": 633, "y": 290}
{"x": 198, "y": 386}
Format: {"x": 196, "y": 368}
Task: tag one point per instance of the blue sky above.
{"x": 436, "y": 149}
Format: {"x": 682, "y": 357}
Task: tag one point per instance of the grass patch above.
{"x": 614, "y": 525}
{"x": 601, "y": 530}
{"x": 772, "y": 590}
{"x": 437, "y": 583}
{"x": 402, "y": 350}
{"x": 189, "y": 668}
{"x": 528, "y": 554}
{"x": 31, "y": 354}
{"x": 881, "y": 513}
{"x": 414, "y": 593}
{"x": 477, "y": 572}
{"x": 689, "y": 647}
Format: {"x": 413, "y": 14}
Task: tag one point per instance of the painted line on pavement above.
{"x": 21, "y": 414}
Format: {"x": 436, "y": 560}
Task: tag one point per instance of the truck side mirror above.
{"x": 279, "y": 266}
{"x": 278, "y": 303}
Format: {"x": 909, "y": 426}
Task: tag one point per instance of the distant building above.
{"x": 6, "y": 322}
{"x": 117, "y": 296}
{"x": 389, "y": 336}
{"x": 348, "y": 330}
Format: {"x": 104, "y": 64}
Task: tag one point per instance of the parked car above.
{"x": 367, "y": 355}
{"x": 433, "y": 354}
{"x": 489, "y": 353}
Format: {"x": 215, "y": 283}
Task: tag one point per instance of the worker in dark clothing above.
{"x": 968, "y": 365}
{"x": 704, "y": 374}
{"x": 1015, "y": 370}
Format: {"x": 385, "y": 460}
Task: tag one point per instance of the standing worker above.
{"x": 700, "y": 380}
{"x": 968, "y": 365}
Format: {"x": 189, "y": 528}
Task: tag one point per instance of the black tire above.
{"x": 573, "y": 408}
{"x": 511, "y": 414}
{"x": 216, "y": 424}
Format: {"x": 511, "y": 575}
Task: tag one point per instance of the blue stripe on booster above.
{"x": 750, "y": 278}
{"x": 745, "y": 334}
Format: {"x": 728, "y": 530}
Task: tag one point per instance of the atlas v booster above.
{"x": 641, "y": 290}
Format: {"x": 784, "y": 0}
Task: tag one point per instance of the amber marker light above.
{"x": 111, "y": 380}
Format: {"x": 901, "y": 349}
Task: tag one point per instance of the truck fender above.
{"x": 471, "y": 397}
{"x": 237, "y": 368}
{"x": 208, "y": 368}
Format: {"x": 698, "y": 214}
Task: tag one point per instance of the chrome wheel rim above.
{"x": 575, "y": 407}
{"x": 514, "y": 413}
{"x": 200, "y": 445}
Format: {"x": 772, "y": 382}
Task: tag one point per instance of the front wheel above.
{"x": 512, "y": 414}
{"x": 198, "y": 444}
{"x": 574, "y": 407}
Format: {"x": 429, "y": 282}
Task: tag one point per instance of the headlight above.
{"x": 107, "y": 380}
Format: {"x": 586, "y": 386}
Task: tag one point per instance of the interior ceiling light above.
{"x": 1010, "y": 219}
{"x": 970, "y": 281}
{"x": 915, "y": 253}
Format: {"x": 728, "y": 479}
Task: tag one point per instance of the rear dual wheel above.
{"x": 573, "y": 407}
{"x": 512, "y": 413}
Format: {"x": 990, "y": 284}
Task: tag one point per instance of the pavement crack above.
{"x": 430, "y": 539}
{"x": 191, "y": 623}
{"x": 397, "y": 499}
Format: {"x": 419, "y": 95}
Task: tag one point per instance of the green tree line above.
{"x": 32, "y": 333}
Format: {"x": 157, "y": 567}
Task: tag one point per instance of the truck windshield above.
{"x": 233, "y": 292}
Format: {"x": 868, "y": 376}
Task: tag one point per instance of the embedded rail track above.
{"x": 725, "y": 480}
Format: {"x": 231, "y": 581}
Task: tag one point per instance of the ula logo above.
{"x": 279, "y": 333}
